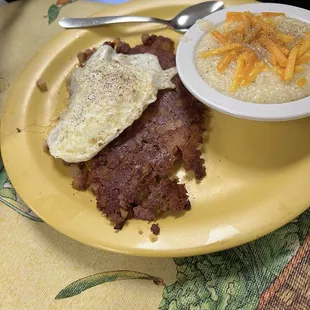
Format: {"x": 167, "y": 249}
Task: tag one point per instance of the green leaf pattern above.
{"x": 6, "y": 188}
{"x": 4, "y": 85}
{"x": 234, "y": 279}
{"x": 83, "y": 284}
{"x": 53, "y": 13}
{"x": 8, "y": 192}
{"x": 9, "y": 197}
{"x": 54, "y": 10}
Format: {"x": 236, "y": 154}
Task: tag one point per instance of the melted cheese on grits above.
{"x": 107, "y": 96}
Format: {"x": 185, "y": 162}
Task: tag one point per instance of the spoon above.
{"x": 182, "y": 22}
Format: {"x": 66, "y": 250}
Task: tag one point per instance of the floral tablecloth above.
{"x": 42, "y": 269}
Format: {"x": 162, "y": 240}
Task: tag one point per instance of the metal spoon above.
{"x": 182, "y": 22}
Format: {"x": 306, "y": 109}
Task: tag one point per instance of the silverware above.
{"x": 182, "y": 22}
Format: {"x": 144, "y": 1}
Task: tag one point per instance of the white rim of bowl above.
{"x": 223, "y": 103}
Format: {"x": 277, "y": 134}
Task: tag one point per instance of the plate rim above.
{"x": 229, "y": 105}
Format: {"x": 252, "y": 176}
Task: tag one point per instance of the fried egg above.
{"x": 106, "y": 97}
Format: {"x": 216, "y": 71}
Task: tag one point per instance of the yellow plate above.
{"x": 258, "y": 173}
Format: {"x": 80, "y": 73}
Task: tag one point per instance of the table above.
{"x": 39, "y": 266}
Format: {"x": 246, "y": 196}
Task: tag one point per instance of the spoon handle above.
{"x": 99, "y": 21}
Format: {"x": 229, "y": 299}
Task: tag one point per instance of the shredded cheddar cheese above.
{"x": 245, "y": 34}
{"x": 302, "y": 82}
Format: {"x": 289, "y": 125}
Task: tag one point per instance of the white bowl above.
{"x": 223, "y": 103}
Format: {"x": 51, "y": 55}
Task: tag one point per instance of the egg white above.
{"x": 106, "y": 97}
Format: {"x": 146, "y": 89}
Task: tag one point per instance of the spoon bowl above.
{"x": 188, "y": 17}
